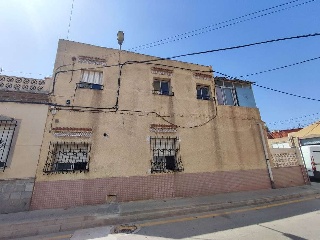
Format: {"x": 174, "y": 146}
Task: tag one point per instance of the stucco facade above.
{"x": 115, "y": 119}
{"x": 23, "y": 114}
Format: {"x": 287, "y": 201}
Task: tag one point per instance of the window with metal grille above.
{"x": 203, "y": 92}
{"x": 68, "y": 157}
{"x": 162, "y": 87}
{"x": 7, "y": 128}
{"x": 165, "y": 155}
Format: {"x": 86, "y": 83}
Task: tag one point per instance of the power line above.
{"x": 294, "y": 119}
{"x": 70, "y": 18}
{"x": 202, "y": 52}
{"x": 282, "y": 67}
{"x": 27, "y": 73}
{"x": 210, "y": 27}
{"x": 193, "y": 31}
{"x": 287, "y": 93}
{"x": 248, "y": 45}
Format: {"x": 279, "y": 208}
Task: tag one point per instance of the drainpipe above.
{"x": 266, "y": 155}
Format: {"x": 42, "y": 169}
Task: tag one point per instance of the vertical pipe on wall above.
{"x": 266, "y": 155}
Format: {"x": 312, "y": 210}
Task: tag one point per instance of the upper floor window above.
{"x": 234, "y": 93}
{"x": 203, "y": 92}
{"x": 162, "y": 87}
{"x": 91, "y": 79}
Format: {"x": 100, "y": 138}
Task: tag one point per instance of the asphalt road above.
{"x": 296, "y": 221}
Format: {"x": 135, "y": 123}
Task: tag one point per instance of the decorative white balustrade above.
{"x": 11, "y": 83}
{"x": 284, "y": 157}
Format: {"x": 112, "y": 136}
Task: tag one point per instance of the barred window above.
{"x": 165, "y": 155}
{"x": 7, "y": 128}
{"x": 68, "y": 157}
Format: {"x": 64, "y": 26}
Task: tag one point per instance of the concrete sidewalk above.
{"x": 40, "y": 222}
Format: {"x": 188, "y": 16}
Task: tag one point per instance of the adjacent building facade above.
{"x": 23, "y": 113}
{"x": 126, "y": 126}
{"x": 288, "y": 165}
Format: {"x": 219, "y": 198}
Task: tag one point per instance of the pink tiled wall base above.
{"x": 63, "y": 194}
{"x": 288, "y": 176}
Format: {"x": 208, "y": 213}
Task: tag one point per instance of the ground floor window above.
{"x": 68, "y": 157}
{"x": 7, "y": 128}
{"x": 165, "y": 155}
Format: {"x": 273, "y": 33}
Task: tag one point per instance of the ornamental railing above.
{"x": 21, "y": 84}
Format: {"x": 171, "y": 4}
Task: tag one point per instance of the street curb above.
{"x": 170, "y": 212}
{"x": 27, "y": 229}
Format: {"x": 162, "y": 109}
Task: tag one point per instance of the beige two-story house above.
{"x": 125, "y": 126}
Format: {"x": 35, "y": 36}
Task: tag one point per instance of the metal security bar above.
{"x": 7, "y": 128}
{"x": 165, "y": 155}
{"x": 68, "y": 157}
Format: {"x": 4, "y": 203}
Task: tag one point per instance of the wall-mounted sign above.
{"x": 92, "y": 60}
{"x": 163, "y": 128}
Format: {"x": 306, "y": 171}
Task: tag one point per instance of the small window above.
{"x": 67, "y": 157}
{"x": 165, "y": 155}
{"x": 203, "y": 92}
{"x": 162, "y": 87}
{"x": 92, "y": 77}
{"x": 91, "y": 80}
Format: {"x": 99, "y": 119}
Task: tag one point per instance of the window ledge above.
{"x": 162, "y": 94}
{"x": 89, "y": 86}
{"x": 66, "y": 171}
{"x": 206, "y": 98}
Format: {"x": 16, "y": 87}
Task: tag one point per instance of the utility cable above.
{"x": 201, "y": 52}
{"x": 247, "y": 45}
{"x": 27, "y": 73}
{"x": 210, "y": 27}
{"x": 291, "y": 119}
{"x": 275, "y": 90}
{"x": 282, "y": 67}
{"x": 70, "y": 18}
{"x": 287, "y": 93}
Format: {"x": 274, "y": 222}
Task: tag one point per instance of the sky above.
{"x": 30, "y": 30}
